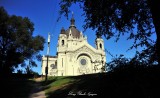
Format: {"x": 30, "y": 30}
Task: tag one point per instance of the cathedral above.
{"x": 75, "y": 56}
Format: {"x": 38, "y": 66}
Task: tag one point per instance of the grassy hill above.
{"x": 130, "y": 83}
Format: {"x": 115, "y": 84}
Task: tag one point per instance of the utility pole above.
{"x": 46, "y": 69}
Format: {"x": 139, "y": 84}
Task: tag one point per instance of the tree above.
{"x": 117, "y": 17}
{"x": 117, "y": 62}
{"x": 17, "y": 43}
{"x": 19, "y": 71}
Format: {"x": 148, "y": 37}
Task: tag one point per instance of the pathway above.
{"x": 37, "y": 91}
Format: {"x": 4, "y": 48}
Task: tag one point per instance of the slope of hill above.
{"x": 130, "y": 83}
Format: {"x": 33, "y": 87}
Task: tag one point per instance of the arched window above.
{"x": 53, "y": 66}
{"x": 62, "y": 42}
{"x": 100, "y": 45}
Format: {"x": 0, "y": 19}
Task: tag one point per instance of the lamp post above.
{"x": 46, "y": 69}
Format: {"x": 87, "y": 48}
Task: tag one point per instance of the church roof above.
{"x": 74, "y": 32}
{"x": 72, "y": 29}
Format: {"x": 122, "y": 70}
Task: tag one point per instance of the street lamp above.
{"x": 46, "y": 69}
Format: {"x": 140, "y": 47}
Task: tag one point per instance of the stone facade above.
{"x": 74, "y": 55}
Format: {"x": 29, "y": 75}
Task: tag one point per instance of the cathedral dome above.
{"x": 72, "y": 30}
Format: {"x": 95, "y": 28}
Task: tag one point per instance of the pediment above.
{"x": 85, "y": 48}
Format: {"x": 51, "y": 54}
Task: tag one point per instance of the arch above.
{"x": 84, "y": 51}
{"x": 100, "y": 45}
{"x": 62, "y": 42}
{"x": 83, "y": 54}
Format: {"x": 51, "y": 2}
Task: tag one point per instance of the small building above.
{"x": 75, "y": 56}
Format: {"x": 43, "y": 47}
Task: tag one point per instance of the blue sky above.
{"x": 44, "y": 14}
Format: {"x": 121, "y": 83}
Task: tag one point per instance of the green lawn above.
{"x": 57, "y": 83}
{"x": 74, "y": 86}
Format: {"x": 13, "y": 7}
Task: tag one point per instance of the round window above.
{"x": 83, "y": 62}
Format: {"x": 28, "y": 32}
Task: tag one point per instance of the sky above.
{"x": 44, "y": 15}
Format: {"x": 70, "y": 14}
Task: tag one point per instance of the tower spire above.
{"x": 72, "y": 20}
{"x": 72, "y": 14}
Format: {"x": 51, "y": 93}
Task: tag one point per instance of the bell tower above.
{"x": 99, "y": 43}
{"x": 62, "y": 41}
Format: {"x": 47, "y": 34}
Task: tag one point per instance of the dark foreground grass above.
{"x": 130, "y": 83}
{"x": 16, "y": 88}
